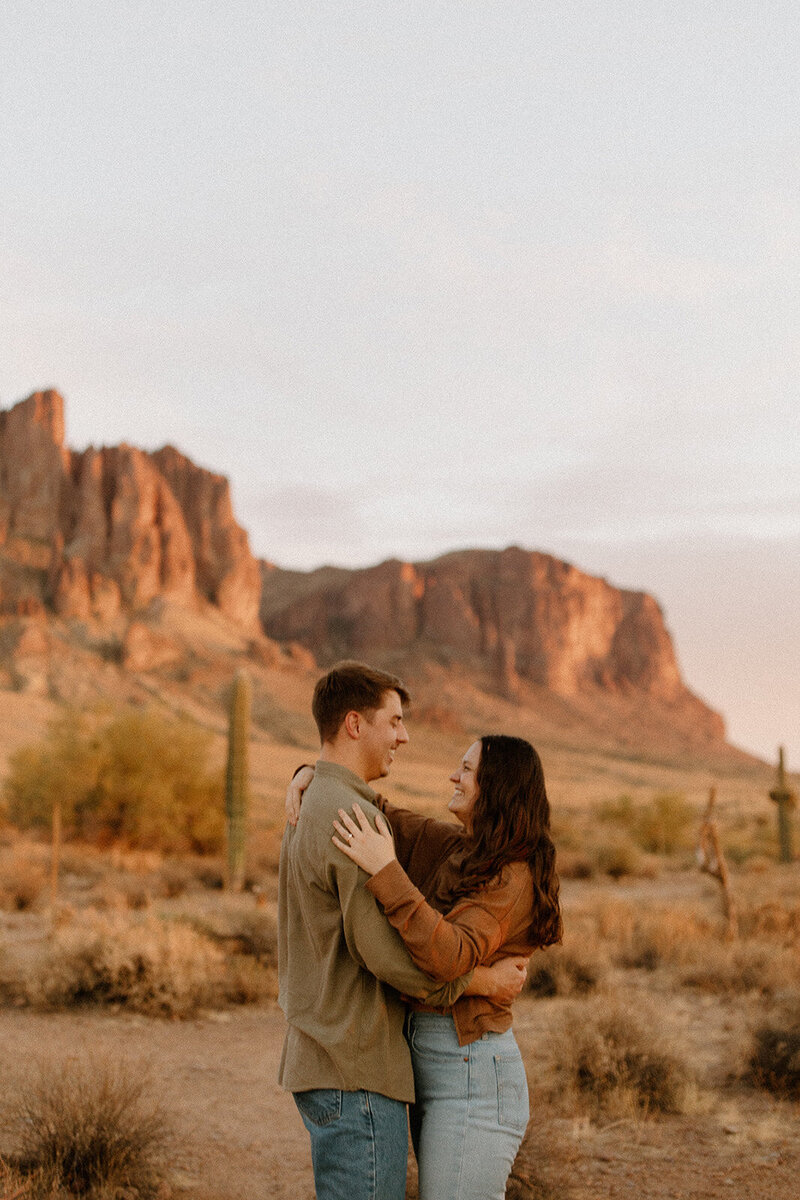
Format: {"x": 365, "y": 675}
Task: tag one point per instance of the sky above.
{"x": 421, "y": 276}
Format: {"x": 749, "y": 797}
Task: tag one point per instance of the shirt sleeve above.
{"x": 419, "y": 841}
{"x": 379, "y": 949}
{"x": 445, "y": 946}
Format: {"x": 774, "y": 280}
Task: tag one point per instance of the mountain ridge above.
{"x": 102, "y": 550}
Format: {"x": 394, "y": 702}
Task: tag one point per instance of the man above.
{"x": 342, "y": 967}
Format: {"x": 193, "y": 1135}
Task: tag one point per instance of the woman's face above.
{"x": 465, "y": 791}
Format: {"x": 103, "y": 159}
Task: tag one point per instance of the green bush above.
{"x": 666, "y": 824}
{"x": 138, "y": 776}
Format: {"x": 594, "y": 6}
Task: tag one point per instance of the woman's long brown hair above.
{"x": 511, "y": 823}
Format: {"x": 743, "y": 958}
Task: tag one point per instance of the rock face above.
{"x": 512, "y": 617}
{"x": 100, "y": 532}
{"x": 97, "y": 537}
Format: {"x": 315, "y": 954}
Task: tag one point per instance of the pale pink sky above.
{"x": 427, "y": 275}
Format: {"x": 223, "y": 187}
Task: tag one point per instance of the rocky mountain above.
{"x": 511, "y": 619}
{"x": 121, "y": 565}
{"x": 96, "y": 533}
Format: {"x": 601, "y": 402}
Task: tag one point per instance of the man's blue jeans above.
{"x": 359, "y": 1144}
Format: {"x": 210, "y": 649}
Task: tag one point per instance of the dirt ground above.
{"x": 237, "y": 1136}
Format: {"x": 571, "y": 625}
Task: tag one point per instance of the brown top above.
{"x": 446, "y": 941}
{"x": 341, "y": 965}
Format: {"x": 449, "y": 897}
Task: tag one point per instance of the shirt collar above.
{"x": 331, "y": 770}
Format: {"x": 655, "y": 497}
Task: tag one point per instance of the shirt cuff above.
{"x": 390, "y": 884}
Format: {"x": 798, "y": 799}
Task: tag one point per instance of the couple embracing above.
{"x": 403, "y": 941}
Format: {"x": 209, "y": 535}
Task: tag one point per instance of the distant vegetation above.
{"x": 135, "y": 776}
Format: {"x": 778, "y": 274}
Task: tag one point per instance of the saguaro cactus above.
{"x": 785, "y": 800}
{"x": 236, "y": 780}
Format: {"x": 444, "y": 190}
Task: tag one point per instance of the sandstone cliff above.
{"x": 97, "y": 533}
{"x": 118, "y": 565}
{"x": 510, "y": 618}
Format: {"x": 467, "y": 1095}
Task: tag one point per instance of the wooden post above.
{"x": 785, "y": 800}
{"x": 55, "y": 856}
{"x": 711, "y": 859}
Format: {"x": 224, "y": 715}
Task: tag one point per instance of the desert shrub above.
{"x": 250, "y": 932}
{"x": 543, "y": 1168}
{"x": 138, "y": 775}
{"x": 666, "y": 824}
{"x": 618, "y": 858}
{"x": 658, "y": 938}
{"x": 621, "y": 812}
{"x": 739, "y": 967}
{"x": 21, "y": 883}
{"x": 574, "y": 864}
{"x": 575, "y": 969}
{"x": 257, "y": 933}
{"x": 250, "y": 980}
{"x": 148, "y": 966}
{"x": 174, "y": 879}
{"x": 89, "y": 1129}
{"x": 772, "y": 920}
{"x": 617, "y": 1064}
{"x": 63, "y": 766}
{"x": 775, "y": 1060}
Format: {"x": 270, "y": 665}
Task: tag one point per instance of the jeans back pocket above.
{"x": 320, "y": 1106}
{"x": 512, "y": 1093}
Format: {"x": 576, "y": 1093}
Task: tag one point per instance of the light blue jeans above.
{"x": 359, "y": 1144}
{"x": 471, "y": 1110}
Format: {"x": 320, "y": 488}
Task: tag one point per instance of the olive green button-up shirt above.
{"x": 341, "y": 965}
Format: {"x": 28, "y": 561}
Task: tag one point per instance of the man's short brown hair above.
{"x": 351, "y": 686}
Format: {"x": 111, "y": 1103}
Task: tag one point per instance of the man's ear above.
{"x": 352, "y": 724}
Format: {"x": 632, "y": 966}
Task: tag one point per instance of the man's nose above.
{"x": 402, "y": 734}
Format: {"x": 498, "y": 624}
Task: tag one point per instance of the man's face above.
{"x": 381, "y": 733}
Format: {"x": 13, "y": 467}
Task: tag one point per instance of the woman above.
{"x": 460, "y": 898}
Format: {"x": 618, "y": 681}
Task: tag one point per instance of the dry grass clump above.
{"x": 150, "y": 966}
{"x": 772, "y": 920}
{"x": 88, "y": 1129}
{"x": 576, "y": 968}
{"x": 655, "y": 939}
{"x": 618, "y": 1065}
{"x": 740, "y": 967}
{"x": 33, "y": 1185}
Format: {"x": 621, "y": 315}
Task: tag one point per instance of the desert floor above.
{"x": 237, "y": 1136}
